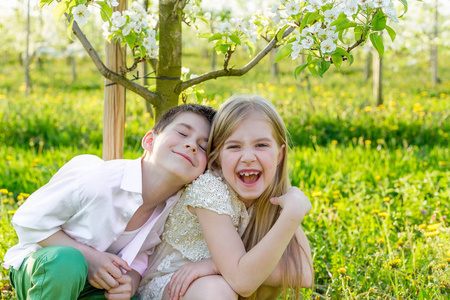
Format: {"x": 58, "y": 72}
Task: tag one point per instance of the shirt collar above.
{"x": 132, "y": 176}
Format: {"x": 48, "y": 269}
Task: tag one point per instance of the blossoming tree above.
{"x": 325, "y": 31}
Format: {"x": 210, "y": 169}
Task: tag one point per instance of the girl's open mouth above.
{"x": 249, "y": 177}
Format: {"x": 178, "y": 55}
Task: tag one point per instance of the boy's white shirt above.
{"x": 84, "y": 195}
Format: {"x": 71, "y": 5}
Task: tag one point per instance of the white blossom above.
{"x": 391, "y": 12}
{"x": 331, "y": 33}
{"x": 314, "y": 5}
{"x": 351, "y": 8}
{"x": 112, "y": 3}
{"x": 106, "y": 29}
{"x": 307, "y": 42}
{"x": 117, "y": 19}
{"x": 366, "y": 3}
{"x": 331, "y": 15}
{"x": 224, "y": 27}
{"x": 292, "y": 8}
{"x": 327, "y": 46}
{"x": 185, "y": 70}
{"x": 81, "y": 14}
{"x": 381, "y": 3}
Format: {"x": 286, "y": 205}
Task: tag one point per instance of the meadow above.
{"x": 377, "y": 176}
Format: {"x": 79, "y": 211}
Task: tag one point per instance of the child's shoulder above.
{"x": 209, "y": 181}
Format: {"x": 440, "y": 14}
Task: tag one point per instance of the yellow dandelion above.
{"x": 316, "y": 193}
{"x": 430, "y": 277}
{"x": 334, "y": 142}
{"x": 371, "y": 290}
{"x": 394, "y": 127}
{"x": 342, "y": 270}
{"x": 11, "y": 212}
{"x": 348, "y": 278}
{"x": 383, "y": 214}
{"x": 447, "y": 260}
{"x": 434, "y": 227}
{"x": 375, "y": 211}
{"x": 378, "y": 177}
{"x": 380, "y": 141}
{"x": 422, "y": 226}
{"x": 354, "y": 139}
{"x": 394, "y": 263}
{"x": 337, "y": 192}
{"x": 386, "y": 199}
{"x": 400, "y": 243}
{"x": 20, "y": 197}
{"x": 425, "y": 164}
{"x": 5, "y": 201}
{"x": 10, "y": 194}
{"x": 380, "y": 107}
{"x": 4, "y": 191}
{"x": 442, "y": 266}
{"x": 335, "y": 197}
{"x": 147, "y": 115}
{"x": 431, "y": 233}
{"x": 367, "y": 142}
{"x": 9, "y": 157}
{"x": 442, "y": 163}
{"x": 381, "y": 241}
{"x": 368, "y": 108}
{"x": 441, "y": 95}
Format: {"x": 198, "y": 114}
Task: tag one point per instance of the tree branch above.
{"x": 231, "y": 72}
{"x": 151, "y": 97}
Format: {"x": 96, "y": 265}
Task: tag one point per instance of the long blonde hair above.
{"x": 265, "y": 214}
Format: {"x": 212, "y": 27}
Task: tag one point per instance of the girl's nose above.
{"x": 248, "y": 156}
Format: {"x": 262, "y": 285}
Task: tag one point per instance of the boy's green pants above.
{"x": 54, "y": 273}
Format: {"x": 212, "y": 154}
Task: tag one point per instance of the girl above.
{"x": 244, "y": 194}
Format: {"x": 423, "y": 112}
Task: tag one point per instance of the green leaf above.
{"x": 224, "y": 47}
{"x": 379, "y": 21}
{"x": 44, "y": 2}
{"x": 216, "y": 36}
{"x": 312, "y": 67}
{"x": 281, "y": 32}
{"x": 235, "y": 39}
{"x": 300, "y": 69}
{"x": 377, "y": 42}
{"x": 345, "y": 26}
{"x": 204, "y": 20}
{"x": 283, "y": 52}
{"x": 342, "y": 52}
{"x": 312, "y": 17}
{"x": 69, "y": 30}
{"x": 391, "y": 32}
{"x": 131, "y": 39}
{"x": 342, "y": 18}
{"x": 405, "y": 4}
{"x": 250, "y": 46}
{"x": 358, "y": 32}
{"x": 323, "y": 66}
{"x": 337, "y": 60}
{"x": 303, "y": 23}
{"x": 105, "y": 11}
{"x": 205, "y": 35}
{"x": 59, "y": 10}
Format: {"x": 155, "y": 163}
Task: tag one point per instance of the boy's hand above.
{"x": 104, "y": 269}
{"x": 189, "y": 272}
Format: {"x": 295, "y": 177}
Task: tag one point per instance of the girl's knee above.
{"x": 212, "y": 287}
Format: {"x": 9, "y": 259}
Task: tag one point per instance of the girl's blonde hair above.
{"x": 227, "y": 119}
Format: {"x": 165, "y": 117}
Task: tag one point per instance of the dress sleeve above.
{"x": 209, "y": 192}
{"x": 47, "y": 209}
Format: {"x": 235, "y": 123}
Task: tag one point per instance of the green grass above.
{"x": 377, "y": 176}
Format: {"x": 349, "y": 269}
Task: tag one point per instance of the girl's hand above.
{"x": 294, "y": 201}
{"x": 123, "y": 292}
{"x": 189, "y": 272}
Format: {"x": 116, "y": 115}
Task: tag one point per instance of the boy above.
{"x": 99, "y": 220}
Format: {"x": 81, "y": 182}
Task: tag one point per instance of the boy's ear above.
{"x": 147, "y": 141}
{"x": 281, "y": 153}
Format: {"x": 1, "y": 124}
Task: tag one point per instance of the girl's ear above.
{"x": 147, "y": 141}
{"x": 281, "y": 153}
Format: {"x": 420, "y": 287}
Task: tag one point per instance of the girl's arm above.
{"x": 274, "y": 279}
{"x": 245, "y": 272}
{"x": 103, "y": 268}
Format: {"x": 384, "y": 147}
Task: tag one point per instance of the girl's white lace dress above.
{"x": 182, "y": 240}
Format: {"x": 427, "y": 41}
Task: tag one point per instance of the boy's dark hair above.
{"x": 172, "y": 113}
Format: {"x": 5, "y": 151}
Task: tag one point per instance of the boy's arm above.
{"x": 104, "y": 269}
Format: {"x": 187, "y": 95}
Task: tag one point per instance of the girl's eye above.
{"x": 262, "y": 145}
{"x": 233, "y": 147}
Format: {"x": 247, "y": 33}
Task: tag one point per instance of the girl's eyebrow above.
{"x": 263, "y": 139}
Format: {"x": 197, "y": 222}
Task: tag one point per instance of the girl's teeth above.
{"x": 248, "y": 174}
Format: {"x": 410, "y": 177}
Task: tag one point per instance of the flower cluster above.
{"x": 244, "y": 29}
{"x": 134, "y": 27}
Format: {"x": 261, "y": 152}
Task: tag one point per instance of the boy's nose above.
{"x": 191, "y": 147}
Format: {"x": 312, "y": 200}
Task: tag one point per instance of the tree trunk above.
{"x": 377, "y": 78}
{"x": 114, "y": 102}
{"x": 27, "y": 53}
{"x": 368, "y": 66}
{"x": 169, "y": 64}
{"x": 273, "y": 66}
{"x": 433, "y": 48}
